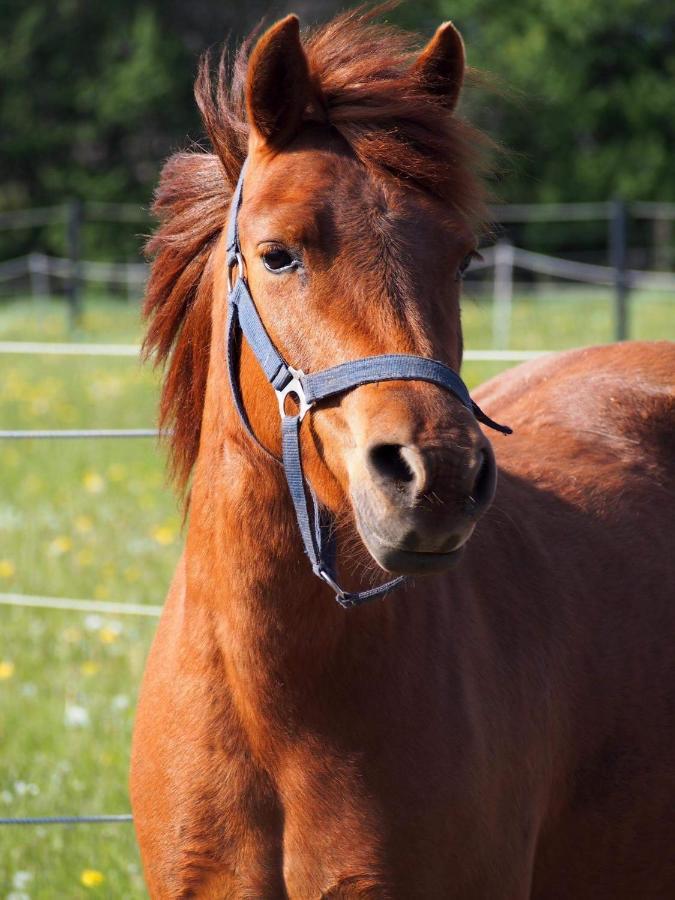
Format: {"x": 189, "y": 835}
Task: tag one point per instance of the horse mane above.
{"x": 364, "y": 87}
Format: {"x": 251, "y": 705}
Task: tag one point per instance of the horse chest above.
{"x": 323, "y": 828}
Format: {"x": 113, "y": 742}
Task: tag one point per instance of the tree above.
{"x": 95, "y": 96}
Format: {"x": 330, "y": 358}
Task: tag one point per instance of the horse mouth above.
{"x": 415, "y": 562}
{"x": 408, "y": 555}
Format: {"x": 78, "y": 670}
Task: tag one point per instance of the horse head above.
{"x": 346, "y": 261}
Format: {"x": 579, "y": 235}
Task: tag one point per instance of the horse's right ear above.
{"x": 278, "y": 86}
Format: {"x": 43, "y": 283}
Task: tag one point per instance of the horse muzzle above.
{"x": 417, "y": 507}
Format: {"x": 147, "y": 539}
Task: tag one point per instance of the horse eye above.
{"x": 465, "y": 263}
{"x": 278, "y": 260}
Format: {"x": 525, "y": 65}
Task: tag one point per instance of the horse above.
{"x": 498, "y": 725}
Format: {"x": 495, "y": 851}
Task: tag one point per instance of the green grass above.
{"x": 96, "y": 519}
{"x": 77, "y": 519}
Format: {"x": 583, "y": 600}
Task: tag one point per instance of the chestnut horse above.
{"x": 502, "y": 726}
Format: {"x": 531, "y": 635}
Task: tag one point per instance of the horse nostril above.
{"x": 484, "y": 482}
{"x": 388, "y": 464}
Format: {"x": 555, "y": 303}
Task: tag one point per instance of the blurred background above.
{"x": 93, "y": 97}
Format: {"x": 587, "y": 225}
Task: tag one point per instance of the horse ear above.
{"x": 278, "y": 83}
{"x": 441, "y": 65}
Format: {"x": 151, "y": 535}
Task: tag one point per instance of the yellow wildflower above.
{"x": 93, "y": 482}
{"x": 164, "y": 534}
{"x": 89, "y": 667}
{"x": 7, "y": 568}
{"x": 6, "y": 669}
{"x": 107, "y": 635}
{"x": 60, "y": 545}
{"x": 91, "y": 878}
{"x": 101, "y": 591}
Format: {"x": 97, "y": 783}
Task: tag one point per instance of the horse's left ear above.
{"x": 278, "y": 85}
{"x": 440, "y": 66}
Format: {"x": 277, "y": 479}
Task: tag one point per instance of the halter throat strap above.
{"x": 315, "y": 525}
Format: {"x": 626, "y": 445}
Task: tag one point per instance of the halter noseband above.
{"x": 315, "y": 526}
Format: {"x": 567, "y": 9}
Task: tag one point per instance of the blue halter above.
{"x": 315, "y": 526}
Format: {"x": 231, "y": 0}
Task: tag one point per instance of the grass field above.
{"x": 95, "y": 519}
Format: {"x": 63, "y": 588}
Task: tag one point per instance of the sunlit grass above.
{"x": 77, "y": 519}
{"x": 96, "y": 519}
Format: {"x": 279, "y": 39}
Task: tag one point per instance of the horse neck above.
{"x": 245, "y": 561}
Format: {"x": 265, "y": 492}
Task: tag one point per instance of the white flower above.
{"x": 22, "y": 788}
{"x": 120, "y": 701}
{"x": 21, "y": 879}
{"x": 76, "y": 716}
{"x": 93, "y": 622}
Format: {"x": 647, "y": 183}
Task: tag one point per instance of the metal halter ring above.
{"x": 323, "y": 574}
{"x": 293, "y": 388}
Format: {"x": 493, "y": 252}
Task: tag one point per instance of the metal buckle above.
{"x": 329, "y": 581}
{"x": 295, "y": 387}
{"x": 237, "y": 261}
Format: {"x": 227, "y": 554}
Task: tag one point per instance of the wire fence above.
{"x": 133, "y": 350}
{"x": 39, "y": 264}
{"x": 100, "y": 607}
{"x": 67, "y": 820}
{"x": 104, "y": 607}
{"x": 74, "y": 271}
{"x": 77, "y": 433}
{"x": 507, "y": 212}
{"x": 503, "y": 259}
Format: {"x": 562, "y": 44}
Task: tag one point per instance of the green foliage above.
{"x": 592, "y": 93}
{"x": 94, "y": 97}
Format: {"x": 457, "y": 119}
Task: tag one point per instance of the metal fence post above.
{"x": 618, "y": 252}
{"x": 502, "y": 295}
{"x": 75, "y": 219}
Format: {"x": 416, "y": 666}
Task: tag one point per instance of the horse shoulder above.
{"x": 615, "y": 401}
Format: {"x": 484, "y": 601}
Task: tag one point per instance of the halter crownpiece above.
{"x": 315, "y": 526}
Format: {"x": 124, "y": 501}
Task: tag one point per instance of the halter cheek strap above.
{"x": 316, "y": 527}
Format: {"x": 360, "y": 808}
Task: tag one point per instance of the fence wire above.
{"x": 106, "y": 607}
{"x": 67, "y": 820}
{"x": 135, "y": 274}
{"x": 71, "y": 433}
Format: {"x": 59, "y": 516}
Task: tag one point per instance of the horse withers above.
{"x": 500, "y": 724}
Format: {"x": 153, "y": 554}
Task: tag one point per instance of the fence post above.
{"x": 132, "y": 287}
{"x": 662, "y": 231}
{"x": 502, "y": 294}
{"x": 39, "y": 275}
{"x": 75, "y": 218}
{"x": 618, "y": 252}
